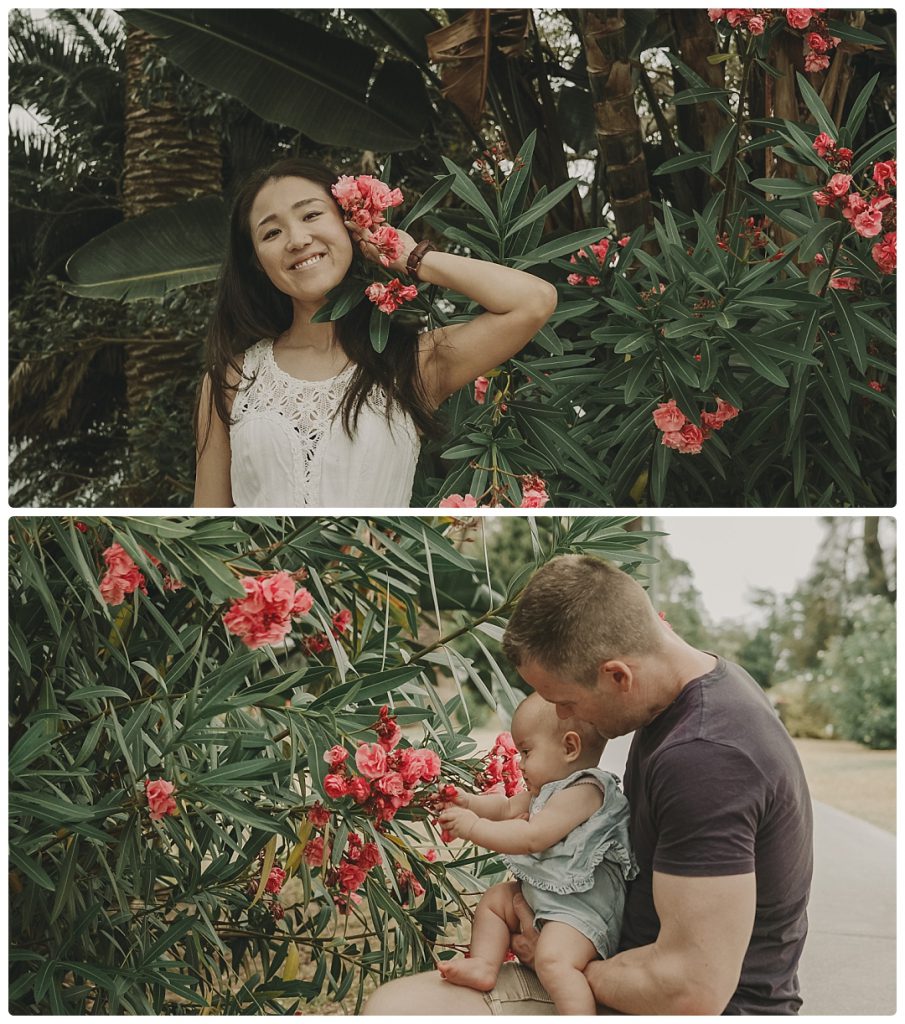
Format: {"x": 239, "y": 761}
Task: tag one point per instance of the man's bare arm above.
{"x": 695, "y": 963}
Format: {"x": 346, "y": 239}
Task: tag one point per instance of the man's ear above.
{"x": 615, "y": 673}
{"x": 571, "y": 744}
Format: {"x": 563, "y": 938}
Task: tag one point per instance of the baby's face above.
{"x": 543, "y": 755}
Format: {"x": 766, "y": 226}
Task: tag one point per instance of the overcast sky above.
{"x": 729, "y": 555}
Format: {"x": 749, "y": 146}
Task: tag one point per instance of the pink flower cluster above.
{"x": 319, "y": 642}
{"x": 364, "y": 200}
{"x": 265, "y": 614}
{"x": 869, "y": 210}
{"x": 501, "y": 771}
{"x": 534, "y": 491}
{"x": 348, "y": 876}
{"x": 159, "y": 794}
{"x": 388, "y": 776}
{"x": 685, "y": 437}
{"x": 600, "y": 250}
{"x": 123, "y": 577}
{"x": 534, "y": 495}
{"x": 389, "y": 297}
{"x": 272, "y": 886}
{"x": 754, "y": 21}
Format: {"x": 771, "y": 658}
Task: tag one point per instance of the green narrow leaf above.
{"x": 852, "y": 330}
{"x": 379, "y": 328}
{"x": 520, "y": 178}
{"x": 814, "y": 241}
{"x": 428, "y": 201}
{"x": 722, "y": 147}
{"x": 466, "y": 190}
{"x": 758, "y": 360}
{"x": 859, "y": 107}
{"x": 815, "y": 104}
{"x": 539, "y": 209}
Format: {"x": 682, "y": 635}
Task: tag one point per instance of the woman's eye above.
{"x": 269, "y": 234}
{"x": 314, "y": 213}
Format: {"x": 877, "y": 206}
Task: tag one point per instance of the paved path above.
{"x": 849, "y": 960}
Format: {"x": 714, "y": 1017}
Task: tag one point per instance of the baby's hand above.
{"x": 458, "y": 821}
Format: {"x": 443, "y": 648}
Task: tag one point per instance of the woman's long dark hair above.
{"x": 249, "y": 307}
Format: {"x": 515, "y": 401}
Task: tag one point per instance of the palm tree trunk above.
{"x": 700, "y": 123}
{"x": 165, "y": 162}
{"x": 619, "y": 135}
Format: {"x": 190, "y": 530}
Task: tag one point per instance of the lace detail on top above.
{"x": 307, "y": 405}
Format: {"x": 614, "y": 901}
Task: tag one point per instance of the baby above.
{"x": 567, "y": 842}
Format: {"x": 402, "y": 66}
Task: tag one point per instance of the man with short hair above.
{"x": 721, "y": 818}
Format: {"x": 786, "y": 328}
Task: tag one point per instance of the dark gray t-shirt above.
{"x": 715, "y": 787}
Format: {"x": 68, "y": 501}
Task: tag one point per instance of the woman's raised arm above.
{"x": 517, "y": 305}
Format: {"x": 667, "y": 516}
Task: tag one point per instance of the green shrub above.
{"x": 113, "y": 912}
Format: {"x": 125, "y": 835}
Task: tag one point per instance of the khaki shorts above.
{"x": 518, "y": 993}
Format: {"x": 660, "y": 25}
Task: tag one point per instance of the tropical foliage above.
{"x": 668, "y": 172}
{"x": 173, "y": 790}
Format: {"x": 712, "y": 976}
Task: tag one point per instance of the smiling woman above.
{"x": 293, "y": 412}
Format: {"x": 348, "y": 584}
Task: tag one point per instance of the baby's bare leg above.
{"x": 561, "y": 957}
{"x": 494, "y": 923}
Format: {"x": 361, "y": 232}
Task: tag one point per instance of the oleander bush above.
{"x": 203, "y": 716}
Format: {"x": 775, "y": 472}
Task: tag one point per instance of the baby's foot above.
{"x": 477, "y": 974}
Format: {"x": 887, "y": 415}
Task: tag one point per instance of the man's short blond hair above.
{"x": 577, "y": 612}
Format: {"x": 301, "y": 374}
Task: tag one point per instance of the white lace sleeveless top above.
{"x": 289, "y": 450}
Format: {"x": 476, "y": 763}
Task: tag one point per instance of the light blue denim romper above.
{"x": 581, "y": 880}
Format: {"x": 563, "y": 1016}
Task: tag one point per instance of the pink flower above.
{"x": 264, "y": 615}
{"x": 844, "y": 156}
{"x": 799, "y": 17}
{"x": 736, "y": 15}
{"x": 876, "y": 385}
{"x": 672, "y": 439}
{"x": 691, "y": 439}
{"x": 884, "y": 172}
{"x": 814, "y": 62}
{"x": 715, "y": 13}
{"x": 623, "y": 242}
{"x": 600, "y": 249}
{"x": 351, "y": 876}
{"x": 388, "y": 298}
{"x": 389, "y": 245}
{"x": 849, "y": 284}
{"x": 724, "y": 413}
{"x": 458, "y": 501}
{"x": 823, "y": 144}
{"x": 336, "y": 756}
{"x": 756, "y": 25}
{"x": 371, "y": 760}
{"x": 392, "y": 784}
{"x": 426, "y": 762}
{"x": 575, "y": 279}
{"x": 314, "y": 852}
{"x": 275, "y": 880}
{"x": 341, "y": 621}
{"x": 481, "y": 385}
{"x": 318, "y": 815}
{"x": 122, "y": 576}
{"x": 884, "y": 253}
{"x": 431, "y": 855}
{"x": 853, "y": 205}
{"x": 159, "y": 794}
{"x": 359, "y": 789}
{"x": 817, "y": 43}
{"x": 592, "y": 281}
{"x": 869, "y": 223}
{"x": 534, "y": 492}
{"x": 668, "y": 416}
{"x": 335, "y": 786}
{"x": 839, "y": 184}
{"x": 346, "y": 191}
